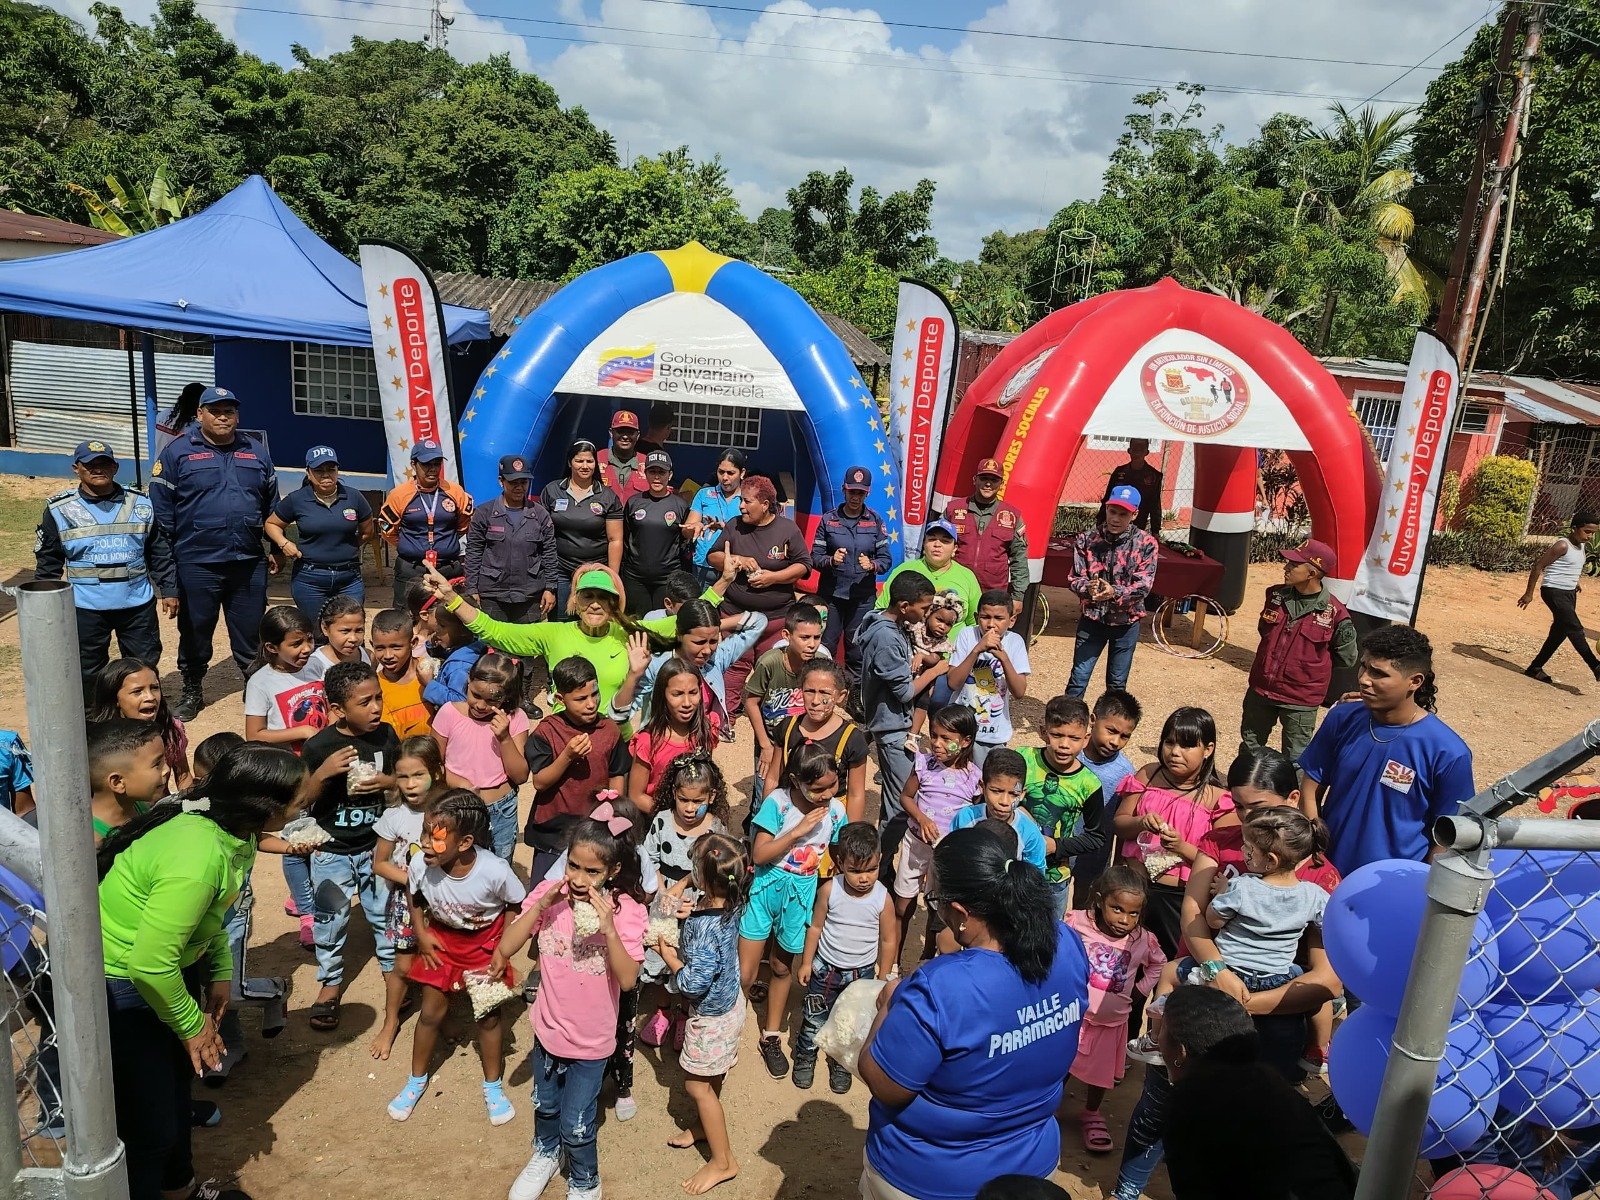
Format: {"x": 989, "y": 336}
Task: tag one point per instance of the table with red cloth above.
{"x": 1177, "y": 574}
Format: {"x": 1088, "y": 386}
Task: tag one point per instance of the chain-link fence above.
{"x": 29, "y": 1007}
{"x": 1490, "y": 1067}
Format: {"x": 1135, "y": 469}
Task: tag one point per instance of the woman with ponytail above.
{"x": 167, "y": 878}
{"x": 1380, "y": 772}
{"x": 967, "y": 1056}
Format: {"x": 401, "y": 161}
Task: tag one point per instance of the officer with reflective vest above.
{"x": 425, "y": 519}
{"x": 849, "y": 551}
{"x": 991, "y": 540}
{"x": 213, "y": 488}
{"x": 103, "y": 538}
{"x": 1305, "y": 634}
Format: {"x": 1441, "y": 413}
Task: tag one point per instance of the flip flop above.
{"x": 325, "y": 1016}
{"x": 1096, "y": 1137}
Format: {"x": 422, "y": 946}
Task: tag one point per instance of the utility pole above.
{"x": 439, "y": 22}
{"x": 1516, "y": 120}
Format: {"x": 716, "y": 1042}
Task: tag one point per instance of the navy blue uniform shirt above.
{"x": 863, "y": 534}
{"x": 330, "y": 534}
{"x": 213, "y": 501}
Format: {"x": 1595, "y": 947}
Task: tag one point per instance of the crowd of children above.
{"x": 650, "y": 916}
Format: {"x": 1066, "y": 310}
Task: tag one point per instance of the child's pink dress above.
{"x": 1116, "y": 967}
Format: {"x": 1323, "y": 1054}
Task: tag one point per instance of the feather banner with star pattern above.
{"x": 1388, "y": 583}
{"x": 921, "y": 374}
{"x": 411, "y": 358}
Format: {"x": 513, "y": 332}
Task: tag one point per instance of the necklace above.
{"x": 1372, "y": 728}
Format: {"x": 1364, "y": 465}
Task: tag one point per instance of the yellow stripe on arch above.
{"x": 691, "y": 266}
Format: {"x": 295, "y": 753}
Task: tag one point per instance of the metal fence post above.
{"x": 93, "y": 1165}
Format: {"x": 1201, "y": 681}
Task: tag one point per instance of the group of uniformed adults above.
{"x": 201, "y": 545}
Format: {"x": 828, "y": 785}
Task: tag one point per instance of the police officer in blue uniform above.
{"x": 849, "y": 552}
{"x": 104, "y": 539}
{"x": 213, "y": 488}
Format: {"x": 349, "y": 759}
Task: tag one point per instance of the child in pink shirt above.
{"x": 483, "y": 741}
{"x": 590, "y": 927}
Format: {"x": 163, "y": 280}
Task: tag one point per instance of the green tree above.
{"x": 892, "y": 230}
{"x": 1547, "y": 314}
{"x": 559, "y": 227}
{"x": 772, "y": 240}
{"x": 859, "y": 289}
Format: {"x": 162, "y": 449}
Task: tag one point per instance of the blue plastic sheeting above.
{"x": 515, "y": 409}
{"x": 246, "y": 267}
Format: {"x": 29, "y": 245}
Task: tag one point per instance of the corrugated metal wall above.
{"x": 61, "y": 395}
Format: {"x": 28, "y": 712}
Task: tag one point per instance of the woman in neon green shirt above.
{"x": 167, "y": 878}
{"x": 599, "y": 633}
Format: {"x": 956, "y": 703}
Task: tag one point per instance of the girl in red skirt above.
{"x": 459, "y": 899}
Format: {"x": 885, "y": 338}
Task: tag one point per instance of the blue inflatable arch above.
{"x": 516, "y": 407}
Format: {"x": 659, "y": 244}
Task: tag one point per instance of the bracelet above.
{"x": 453, "y": 603}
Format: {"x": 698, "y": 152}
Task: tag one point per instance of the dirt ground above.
{"x": 302, "y": 1112}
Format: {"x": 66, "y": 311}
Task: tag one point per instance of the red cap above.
{"x": 990, "y": 467}
{"x": 1318, "y": 554}
{"x": 624, "y": 420}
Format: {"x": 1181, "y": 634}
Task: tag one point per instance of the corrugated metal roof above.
{"x": 63, "y": 394}
{"x": 47, "y": 231}
{"x": 509, "y": 301}
{"x": 1585, "y": 408}
{"x": 1542, "y": 413}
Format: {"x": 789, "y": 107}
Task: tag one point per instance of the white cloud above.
{"x": 471, "y": 38}
{"x": 1010, "y": 128}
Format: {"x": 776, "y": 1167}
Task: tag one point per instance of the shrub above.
{"x": 1456, "y": 548}
{"x": 1497, "y": 498}
{"x": 1449, "y": 498}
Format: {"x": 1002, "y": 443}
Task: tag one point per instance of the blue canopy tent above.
{"x": 246, "y": 267}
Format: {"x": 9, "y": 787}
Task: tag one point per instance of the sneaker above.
{"x": 535, "y": 1177}
{"x": 771, "y": 1047}
{"x": 627, "y": 1108}
{"x": 212, "y": 1189}
{"x": 494, "y": 1099}
{"x": 204, "y": 1115}
{"x": 403, "y": 1105}
{"x": 839, "y": 1080}
{"x": 655, "y": 1029}
{"x": 232, "y": 1056}
{"x": 1314, "y": 1060}
{"x": 308, "y": 932}
{"x": 289, "y": 910}
{"x": 1144, "y": 1049}
{"x": 190, "y": 703}
{"x": 805, "y": 1070}
{"x": 574, "y": 1193}
{"x": 1538, "y": 674}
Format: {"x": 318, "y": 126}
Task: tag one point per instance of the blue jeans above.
{"x": 826, "y": 984}
{"x": 313, "y": 584}
{"x": 351, "y": 873}
{"x": 150, "y": 1075}
{"x": 504, "y": 827}
{"x": 566, "y": 1094}
{"x": 297, "y": 874}
{"x": 1060, "y": 897}
{"x": 1093, "y": 637}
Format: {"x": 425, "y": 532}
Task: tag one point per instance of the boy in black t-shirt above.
{"x": 352, "y": 766}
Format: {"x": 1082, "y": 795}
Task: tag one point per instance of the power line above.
{"x": 1418, "y": 65}
{"x": 724, "y": 48}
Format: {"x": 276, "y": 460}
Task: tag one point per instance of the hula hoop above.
{"x": 1169, "y": 607}
{"x": 1041, "y": 617}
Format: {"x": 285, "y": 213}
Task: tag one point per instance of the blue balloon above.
{"x": 1464, "y": 1097}
{"x": 1370, "y": 931}
{"x": 1544, "y": 906}
{"x": 1550, "y": 1058}
{"x": 16, "y": 927}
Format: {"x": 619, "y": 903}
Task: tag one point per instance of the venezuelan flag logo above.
{"x": 625, "y": 365}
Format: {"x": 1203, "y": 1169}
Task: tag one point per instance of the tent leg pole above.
{"x": 147, "y": 348}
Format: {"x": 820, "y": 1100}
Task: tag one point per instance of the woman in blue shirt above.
{"x": 332, "y": 522}
{"x": 967, "y": 1057}
{"x": 717, "y": 505}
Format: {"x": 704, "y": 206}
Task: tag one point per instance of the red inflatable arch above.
{"x": 1167, "y": 362}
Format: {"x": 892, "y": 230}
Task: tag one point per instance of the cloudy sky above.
{"x": 1010, "y": 107}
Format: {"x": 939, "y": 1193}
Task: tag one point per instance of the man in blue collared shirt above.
{"x": 850, "y": 551}
{"x": 213, "y": 488}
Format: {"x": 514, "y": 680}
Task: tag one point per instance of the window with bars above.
{"x": 335, "y": 381}
{"x": 719, "y": 426}
{"x": 1474, "y": 418}
{"x": 1379, "y": 412}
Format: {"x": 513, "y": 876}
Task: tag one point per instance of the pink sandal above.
{"x": 654, "y": 1031}
{"x": 1096, "y": 1137}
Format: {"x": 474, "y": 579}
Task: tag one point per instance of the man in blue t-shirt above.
{"x": 1380, "y": 772}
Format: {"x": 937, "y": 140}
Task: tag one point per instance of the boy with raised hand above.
{"x": 1063, "y": 795}
{"x": 988, "y": 666}
{"x": 1305, "y": 634}
{"x": 891, "y": 677}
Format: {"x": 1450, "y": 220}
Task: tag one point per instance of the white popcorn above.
{"x": 585, "y": 921}
{"x": 303, "y": 835}
{"x": 845, "y": 1031}
{"x": 662, "y": 929}
{"x": 487, "y": 992}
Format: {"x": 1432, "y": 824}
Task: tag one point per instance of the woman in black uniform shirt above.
{"x": 654, "y": 527}
{"x": 588, "y": 519}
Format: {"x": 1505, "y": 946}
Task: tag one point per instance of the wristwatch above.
{"x": 1211, "y": 968}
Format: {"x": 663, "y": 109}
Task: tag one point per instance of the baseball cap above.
{"x": 595, "y": 581}
{"x": 1318, "y": 554}
{"x": 514, "y": 467}
{"x": 625, "y": 420}
{"x": 91, "y": 450}
{"x": 427, "y": 450}
{"x": 990, "y": 467}
{"x": 858, "y": 477}
{"x": 217, "y": 395}
{"x": 1125, "y": 497}
{"x": 320, "y": 456}
{"x": 940, "y": 526}
{"x": 658, "y": 458}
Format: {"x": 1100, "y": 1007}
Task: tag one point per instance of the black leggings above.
{"x": 150, "y": 1074}
{"x": 1565, "y": 626}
